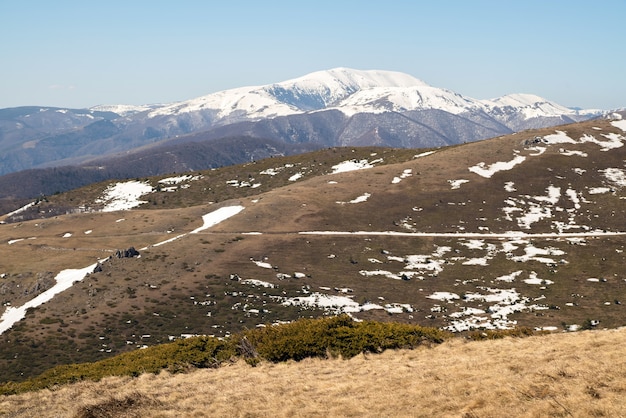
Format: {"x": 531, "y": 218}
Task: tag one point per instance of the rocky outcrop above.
{"x": 129, "y": 253}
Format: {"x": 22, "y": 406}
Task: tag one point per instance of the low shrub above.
{"x": 337, "y": 336}
{"x": 326, "y": 337}
{"x": 501, "y": 333}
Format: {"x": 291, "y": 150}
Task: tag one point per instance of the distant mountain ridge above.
{"x": 340, "y": 106}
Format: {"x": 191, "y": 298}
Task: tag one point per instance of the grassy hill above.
{"x": 571, "y": 374}
{"x": 522, "y": 230}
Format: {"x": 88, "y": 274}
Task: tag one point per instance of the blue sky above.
{"x": 84, "y": 53}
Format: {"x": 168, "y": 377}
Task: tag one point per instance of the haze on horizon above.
{"x": 82, "y": 54}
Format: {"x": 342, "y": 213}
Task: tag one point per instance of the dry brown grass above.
{"x": 579, "y": 374}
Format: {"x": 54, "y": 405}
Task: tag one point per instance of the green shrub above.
{"x": 497, "y": 334}
{"x": 336, "y": 336}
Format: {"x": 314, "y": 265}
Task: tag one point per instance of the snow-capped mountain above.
{"x": 351, "y": 92}
{"x": 340, "y": 106}
{"x": 316, "y": 91}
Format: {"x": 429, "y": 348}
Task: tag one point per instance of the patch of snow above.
{"x": 167, "y": 241}
{"x": 406, "y": 173}
{"x": 509, "y": 186}
{"x": 255, "y": 282}
{"x": 352, "y": 165}
{"x": 360, "y": 199}
{"x": 271, "y": 171}
{"x": 599, "y": 190}
{"x": 476, "y": 262}
{"x": 124, "y": 196}
{"x": 456, "y": 184}
{"x": 538, "y": 151}
{"x": 487, "y": 171}
{"x": 621, "y": 124}
{"x": 424, "y": 154}
{"x": 331, "y": 303}
{"x": 559, "y": 137}
{"x": 64, "y": 280}
{"x": 570, "y": 153}
{"x": 263, "y": 264}
{"x": 533, "y": 253}
{"x": 509, "y": 278}
{"x": 384, "y": 273}
{"x": 22, "y": 209}
{"x": 296, "y": 176}
{"x": 534, "y": 279}
{"x": 179, "y": 179}
{"x": 444, "y": 296}
{"x": 616, "y": 176}
{"x": 217, "y": 216}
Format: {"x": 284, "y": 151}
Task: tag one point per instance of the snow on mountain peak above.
{"x": 398, "y": 99}
{"x": 519, "y": 100}
{"x": 531, "y": 106}
{"x": 355, "y": 79}
{"x": 321, "y": 89}
{"x": 122, "y": 110}
{"x": 352, "y": 91}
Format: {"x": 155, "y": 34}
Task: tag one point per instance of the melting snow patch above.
{"x": 22, "y": 209}
{"x": 179, "y": 179}
{"x": 616, "y": 176}
{"x": 296, "y": 176}
{"x": 476, "y": 262}
{"x": 123, "y": 196}
{"x": 509, "y": 278}
{"x": 217, "y": 216}
{"x": 559, "y": 137}
{"x": 262, "y": 264}
{"x": 568, "y": 153}
{"x": 64, "y": 280}
{"x": 424, "y": 154}
{"x": 353, "y": 165}
{"x": 271, "y": 171}
{"x": 533, "y": 279}
{"x": 509, "y": 186}
{"x": 443, "y": 296}
{"x": 360, "y": 199}
{"x": 487, "y": 171}
{"x": 534, "y": 253}
{"x": 330, "y": 303}
{"x": 255, "y": 282}
{"x": 456, "y": 184}
{"x": 406, "y": 173}
{"x": 621, "y": 124}
{"x": 384, "y": 273}
{"x": 599, "y": 190}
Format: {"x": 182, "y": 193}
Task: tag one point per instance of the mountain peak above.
{"x": 322, "y": 89}
{"x": 361, "y": 79}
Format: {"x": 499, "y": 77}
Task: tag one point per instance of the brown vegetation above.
{"x": 577, "y": 374}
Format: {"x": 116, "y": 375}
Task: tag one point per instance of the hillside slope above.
{"x": 521, "y": 230}
{"x": 579, "y": 374}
